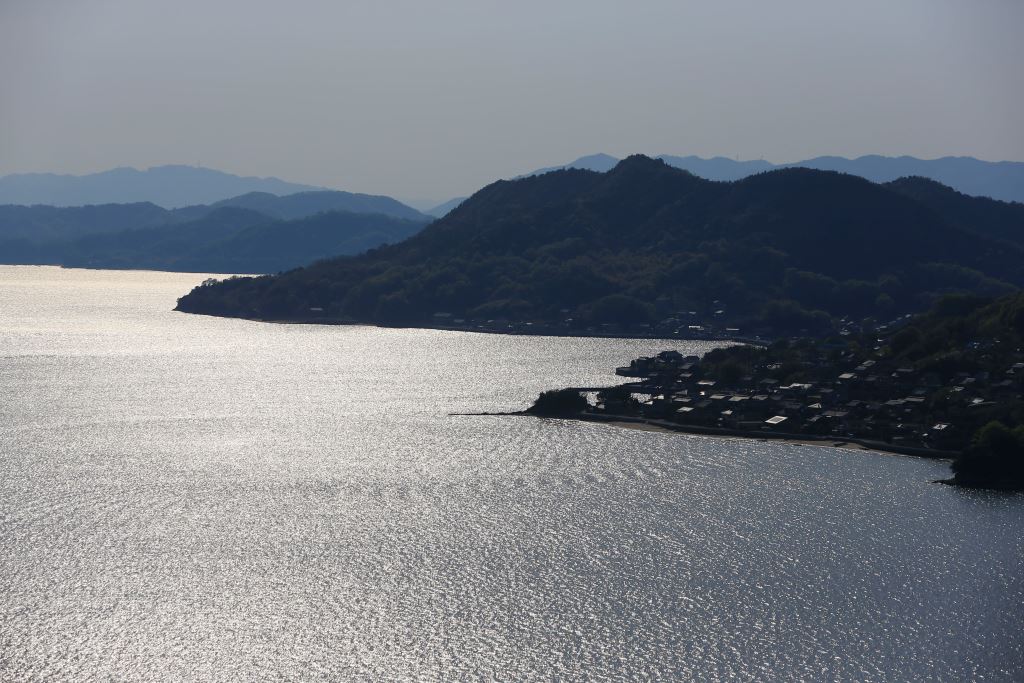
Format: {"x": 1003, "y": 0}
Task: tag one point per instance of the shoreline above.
{"x": 660, "y": 426}
{"x": 846, "y": 443}
{"x": 849, "y": 444}
{"x": 540, "y": 332}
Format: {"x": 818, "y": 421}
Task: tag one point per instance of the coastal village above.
{"x": 946, "y": 384}
{"x": 814, "y": 391}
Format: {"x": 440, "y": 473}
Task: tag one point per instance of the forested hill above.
{"x": 1001, "y": 220}
{"x": 646, "y": 245}
{"x": 302, "y": 204}
{"x": 235, "y": 240}
{"x": 252, "y": 233}
{"x": 41, "y": 224}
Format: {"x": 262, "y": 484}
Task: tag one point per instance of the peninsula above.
{"x": 947, "y": 384}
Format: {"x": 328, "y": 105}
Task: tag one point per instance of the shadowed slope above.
{"x": 784, "y": 250}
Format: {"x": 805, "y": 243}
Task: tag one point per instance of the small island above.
{"x": 947, "y": 384}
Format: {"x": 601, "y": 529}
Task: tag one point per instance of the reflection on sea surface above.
{"x": 197, "y": 498}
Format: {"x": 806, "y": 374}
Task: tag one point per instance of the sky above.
{"x": 429, "y": 100}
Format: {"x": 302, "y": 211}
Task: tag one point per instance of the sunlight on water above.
{"x": 190, "y": 498}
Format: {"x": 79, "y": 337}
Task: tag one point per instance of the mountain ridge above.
{"x": 144, "y": 235}
{"x": 307, "y": 203}
{"x": 788, "y": 249}
{"x": 234, "y": 239}
{"x": 1003, "y": 180}
{"x": 170, "y": 186}
{"x": 41, "y": 223}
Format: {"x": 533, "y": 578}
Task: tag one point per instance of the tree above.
{"x": 995, "y": 458}
{"x": 617, "y": 309}
{"x": 557, "y": 403}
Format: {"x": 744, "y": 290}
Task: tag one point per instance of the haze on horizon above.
{"x": 421, "y": 100}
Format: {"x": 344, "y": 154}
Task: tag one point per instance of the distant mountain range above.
{"x": 234, "y": 240}
{"x": 308, "y": 203}
{"x": 443, "y": 208}
{"x": 1002, "y": 180}
{"x": 644, "y": 244}
{"x": 168, "y": 186}
{"x": 176, "y": 186}
{"x": 252, "y": 233}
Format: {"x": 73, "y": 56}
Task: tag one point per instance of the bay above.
{"x": 194, "y": 498}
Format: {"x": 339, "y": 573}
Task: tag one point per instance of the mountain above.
{"x": 445, "y": 208}
{"x": 648, "y": 244}
{"x": 239, "y": 240}
{"x": 1000, "y": 220}
{"x": 293, "y": 230}
{"x": 158, "y": 248}
{"x": 308, "y": 203}
{"x": 594, "y": 162}
{"x": 1003, "y": 180}
{"x": 166, "y": 186}
{"x": 50, "y": 223}
{"x": 718, "y": 168}
{"x": 41, "y": 224}
{"x": 281, "y": 245}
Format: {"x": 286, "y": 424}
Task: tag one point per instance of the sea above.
{"x": 189, "y": 498}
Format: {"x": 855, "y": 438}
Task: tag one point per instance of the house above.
{"x": 944, "y": 436}
{"x": 838, "y": 418}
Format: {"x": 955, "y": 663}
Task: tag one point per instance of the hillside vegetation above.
{"x": 646, "y": 245}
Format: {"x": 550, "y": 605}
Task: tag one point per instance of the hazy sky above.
{"x": 432, "y": 99}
